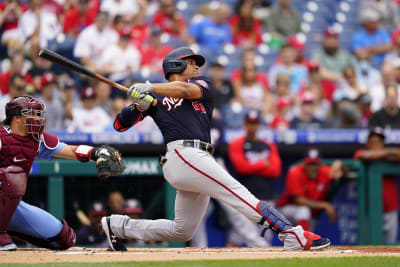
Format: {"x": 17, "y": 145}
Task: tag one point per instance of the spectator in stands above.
{"x": 93, "y": 41}
{"x": 388, "y": 74}
{"x": 372, "y": 41}
{"x": 332, "y": 58}
{"x": 353, "y": 87}
{"x": 10, "y": 12}
{"x": 120, "y": 60}
{"x": 77, "y": 18}
{"x": 17, "y": 88}
{"x": 374, "y": 151}
{"x": 389, "y": 116}
{"x": 55, "y": 110}
{"x": 283, "y": 20}
{"x": 38, "y": 34}
{"x": 248, "y": 61}
{"x": 169, "y": 20}
{"x": 119, "y": 7}
{"x": 321, "y": 106}
{"x": 16, "y": 67}
{"x": 246, "y": 29}
{"x": 103, "y": 96}
{"x": 299, "y": 47}
{"x": 251, "y": 93}
{"x": 364, "y": 106}
{"x": 115, "y": 202}
{"x": 89, "y": 118}
{"x": 93, "y": 234}
{"x": 388, "y": 11}
{"x": 154, "y": 51}
{"x": 298, "y": 73}
{"x": 307, "y": 187}
{"x": 281, "y": 120}
{"x": 305, "y": 120}
{"x": 140, "y": 30}
{"x": 69, "y": 98}
{"x": 213, "y": 31}
{"x": 223, "y": 87}
{"x": 327, "y": 87}
{"x": 395, "y": 53}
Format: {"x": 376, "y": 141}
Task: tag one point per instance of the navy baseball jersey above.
{"x": 180, "y": 119}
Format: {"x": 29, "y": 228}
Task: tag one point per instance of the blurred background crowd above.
{"x": 305, "y": 64}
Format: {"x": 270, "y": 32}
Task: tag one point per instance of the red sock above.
{"x": 305, "y": 224}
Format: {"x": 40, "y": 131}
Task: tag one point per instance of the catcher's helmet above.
{"x": 174, "y": 61}
{"x": 30, "y": 107}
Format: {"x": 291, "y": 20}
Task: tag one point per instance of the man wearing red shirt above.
{"x": 78, "y": 18}
{"x": 169, "y": 20}
{"x": 17, "y": 64}
{"x": 154, "y": 52}
{"x": 373, "y": 151}
{"x": 307, "y": 185}
{"x": 256, "y": 162}
{"x": 10, "y": 12}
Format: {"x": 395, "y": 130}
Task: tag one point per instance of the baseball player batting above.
{"x": 183, "y": 114}
{"x": 22, "y": 139}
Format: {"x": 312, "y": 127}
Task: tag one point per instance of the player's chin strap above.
{"x": 272, "y": 219}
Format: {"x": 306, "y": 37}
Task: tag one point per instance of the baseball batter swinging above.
{"x": 183, "y": 114}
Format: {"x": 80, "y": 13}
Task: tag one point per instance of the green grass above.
{"x": 309, "y": 262}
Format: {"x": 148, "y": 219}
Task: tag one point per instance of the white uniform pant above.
{"x": 197, "y": 177}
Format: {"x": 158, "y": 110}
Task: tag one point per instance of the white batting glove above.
{"x": 142, "y": 88}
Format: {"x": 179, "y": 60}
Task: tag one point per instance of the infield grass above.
{"x": 309, "y": 262}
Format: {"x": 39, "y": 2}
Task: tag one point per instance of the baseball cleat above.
{"x": 114, "y": 242}
{"x": 297, "y": 239}
{"x": 6, "y": 243}
{"x": 8, "y": 247}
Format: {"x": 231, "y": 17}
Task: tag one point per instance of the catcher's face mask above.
{"x": 34, "y": 119}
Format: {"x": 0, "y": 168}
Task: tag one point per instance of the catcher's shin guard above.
{"x": 63, "y": 240}
{"x": 272, "y": 218}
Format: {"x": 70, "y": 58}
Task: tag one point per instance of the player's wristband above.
{"x": 85, "y": 153}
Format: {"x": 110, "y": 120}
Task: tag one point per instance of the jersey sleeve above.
{"x": 49, "y": 146}
{"x": 206, "y": 87}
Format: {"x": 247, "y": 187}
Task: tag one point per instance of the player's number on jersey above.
{"x": 198, "y": 106}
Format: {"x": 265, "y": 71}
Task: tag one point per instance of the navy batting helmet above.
{"x": 174, "y": 62}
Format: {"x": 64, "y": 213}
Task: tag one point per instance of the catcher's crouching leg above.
{"x": 293, "y": 238}
{"x": 12, "y": 189}
{"x": 63, "y": 240}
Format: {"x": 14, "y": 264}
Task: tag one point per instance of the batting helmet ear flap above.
{"x": 173, "y": 66}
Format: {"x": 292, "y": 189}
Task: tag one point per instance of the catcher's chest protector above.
{"x": 17, "y": 150}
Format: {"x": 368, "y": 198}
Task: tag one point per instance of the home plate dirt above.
{"x": 78, "y": 254}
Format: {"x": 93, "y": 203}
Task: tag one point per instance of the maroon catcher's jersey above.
{"x": 17, "y": 150}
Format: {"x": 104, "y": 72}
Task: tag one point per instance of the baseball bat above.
{"x": 56, "y": 58}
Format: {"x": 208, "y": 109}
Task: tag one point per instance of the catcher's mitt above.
{"x": 108, "y": 162}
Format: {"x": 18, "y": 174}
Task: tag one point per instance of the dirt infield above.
{"x": 77, "y": 254}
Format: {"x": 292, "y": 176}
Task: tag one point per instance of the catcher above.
{"x": 22, "y": 139}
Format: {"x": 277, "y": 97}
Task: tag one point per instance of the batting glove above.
{"x": 142, "y": 88}
{"x": 144, "y": 102}
{"x": 133, "y": 94}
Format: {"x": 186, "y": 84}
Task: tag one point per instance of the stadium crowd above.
{"x": 303, "y": 64}
{"x": 302, "y": 68}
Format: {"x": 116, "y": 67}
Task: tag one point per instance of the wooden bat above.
{"x": 56, "y": 58}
